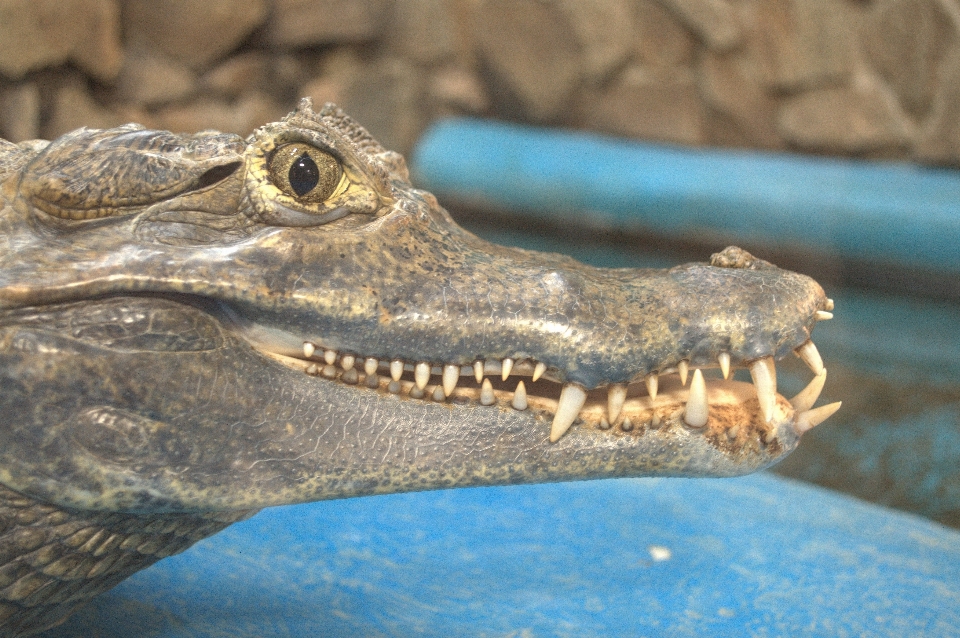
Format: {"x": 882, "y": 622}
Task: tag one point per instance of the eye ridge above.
{"x": 305, "y": 172}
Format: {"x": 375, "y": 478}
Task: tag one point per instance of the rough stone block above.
{"x": 906, "y": 41}
{"x": 423, "y": 31}
{"x": 939, "y": 138}
{"x": 807, "y": 42}
{"x": 386, "y": 96}
{"x": 297, "y": 23}
{"x": 649, "y": 105}
{"x": 860, "y": 118}
{"x": 531, "y": 55}
{"x": 73, "y": 107}
{"x": 240, "y": 116}
{"x": 195, "y": 33}
{"x": 456, "y": 90}
{"x": 714, "y": 21}
{"x": 605, "y": 31}
{"x": 39, "y": 33}
{"x": 660, "y": 39}
{"x": 20, "y": 112}
{"x": 151, "y": 79}
{"x": 237, "y": 74}
{"x": 741, "y": 111}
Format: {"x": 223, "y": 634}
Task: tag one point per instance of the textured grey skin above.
{"x": 128, "y": 258}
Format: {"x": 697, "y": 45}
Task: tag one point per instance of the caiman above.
{"x": 193, "y": 327}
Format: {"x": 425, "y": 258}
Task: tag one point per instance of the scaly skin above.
{"x": 157, "y": 292}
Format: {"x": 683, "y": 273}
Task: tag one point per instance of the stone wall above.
{"x": 871, "y": 78}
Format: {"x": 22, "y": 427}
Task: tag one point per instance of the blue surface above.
{"x": 756, "y": 556}
{"x": 891, "y": 212}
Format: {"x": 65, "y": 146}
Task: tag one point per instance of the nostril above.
{"x": 217, "y": 174}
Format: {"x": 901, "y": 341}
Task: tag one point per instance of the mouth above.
{"x": 732, "y": 414}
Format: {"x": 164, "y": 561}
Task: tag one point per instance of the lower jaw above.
{"x": 734, "y": 420}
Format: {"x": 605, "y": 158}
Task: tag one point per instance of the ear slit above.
{"x": 217, "y": 174}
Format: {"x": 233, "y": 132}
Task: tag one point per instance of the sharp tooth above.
{"x": 478, "y": 371}
{"x": 329, "y": 372}
{"x": 347, "y": 361}
{"x": 572, "y": 398}
{"x": 616, "y": 395}
{"x": 829, "y": 305}
{"x": 764, "y": 374}
{"x": 350, "y": 376}
{"x": 312, "y": 369}
{"x": 808, "y": 353}
{"x": 421, "y": 374}
{"x": 308, "y": 349}
{"x": 812, "y": 418}
{"x": 683, "y": 368}
{"x": 451, "y": 374}
{"x": 538, "y": 370}
{"x": 652, "y": 380}
{"x": 438, "y": 394}
{"x": 823, "y": 315}
{"x": 393, "y": 387}
{"x": 696, "y": 412}
{"x": 486, "y": 393}
{"x": 604, "y": 424}
{"x": 330, "y": 357}
{"x": 520, "y": 397}
{"x": 396, "y": 369}
{"x": 416, "y": 393}
{"x": 724, "y": 359}
{"x": 370, "y": 365}
{"x": 627, "y": 424}
{"x": 506, "y": 368}
{"x": 809, "y": 395}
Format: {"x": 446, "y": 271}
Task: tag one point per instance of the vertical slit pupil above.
{"x": 304, "y": 175}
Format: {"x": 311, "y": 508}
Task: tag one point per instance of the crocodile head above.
{"x": 202, "y": 323}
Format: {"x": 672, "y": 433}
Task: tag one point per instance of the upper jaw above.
{"x": 627, "y": 396}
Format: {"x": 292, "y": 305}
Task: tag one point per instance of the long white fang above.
{"x": 421, "y": 374}
{"x": 370, "y": 365}
{"x": 478, "y": 371}
{"x": 506, "y": 368}
{"x": 616, "y": 395}
{"x": 812, "y": 418}
{"x": 538, "y": 370}
{"x": 486, "y": 393}
{"x": 683, "y": 368}
{"x": 520, "y": 397}
{"x": 572, "y": 398}
{"x": 330, "y": 357}
{"x": 652, "y": 380}
{"x": 696, "y": 412}
{"x": 823, "y": 315}
{"x": 724, "y": 359}
{"x": 764, "y": 374}
{"x": 396, "y": 369}
{"x": 347, "y": 361}
{"x": 809, "y": 355}
{"x": 809, "y": 395}
{"x": 308, "y": 349}
{"x": 451, "y": 374}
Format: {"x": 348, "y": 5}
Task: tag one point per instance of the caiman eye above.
{"x": 305, "y": 172}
